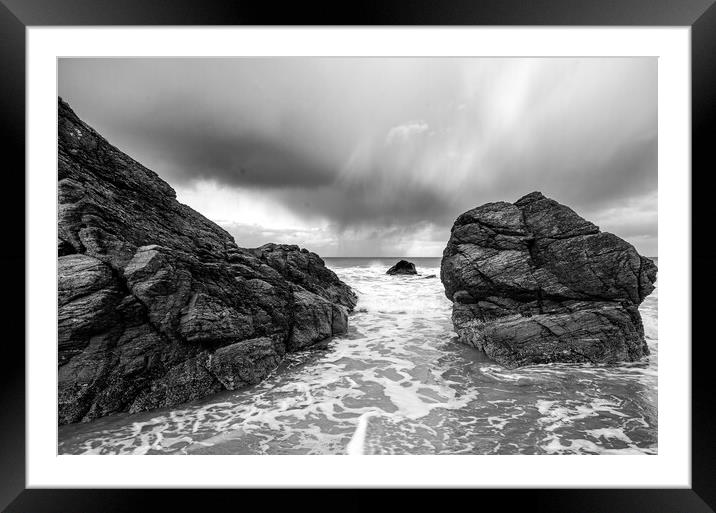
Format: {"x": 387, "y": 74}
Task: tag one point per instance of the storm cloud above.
{"x": 378, "y": 156}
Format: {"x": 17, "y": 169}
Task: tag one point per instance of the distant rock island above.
{"x": 533, "y": 282}
{"x": 402, "y": 267}
{"x": 157, "y": 304}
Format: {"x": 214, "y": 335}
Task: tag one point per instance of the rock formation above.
{"x": 402, "y": 267}
{"x": 532, "y": 282}
{"x": 157, "y": 304}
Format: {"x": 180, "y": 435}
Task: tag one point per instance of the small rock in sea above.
{"x": 402, "y": 267}
{"x": 533, "y": 282}
{"x": 429, "y": 276}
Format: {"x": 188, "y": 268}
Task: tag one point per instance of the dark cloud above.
{"x": 241, "y": 159}
{"x": 621, "y": 171}
{"x": 368, "y": 204}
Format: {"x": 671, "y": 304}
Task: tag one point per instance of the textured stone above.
{"x": 533, "y": 282}
{"x": 402, "y": 267}
{"x": 244, "y": 363}
{"x": 157, "y": 304}
{"x": 314, "y": 319}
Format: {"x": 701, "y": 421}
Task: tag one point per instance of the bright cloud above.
{"x": 405, "y": 132}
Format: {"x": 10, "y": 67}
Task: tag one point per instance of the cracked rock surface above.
{"x": 533, "y": 282}
{"x": 157, "y": 304}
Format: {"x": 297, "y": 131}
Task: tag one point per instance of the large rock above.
{"x": 157, "y": 304}
{"x": 532, "y": 282}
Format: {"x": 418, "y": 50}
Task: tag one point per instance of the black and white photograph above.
{"x": 357, "y": 256}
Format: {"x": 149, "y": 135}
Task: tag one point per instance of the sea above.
{"x": 399, "y": 383}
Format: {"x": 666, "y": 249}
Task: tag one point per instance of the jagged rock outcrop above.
{"x": 402, "y": 267}
{"x": 157, "y": 304}
{"x": 532, "y": 282}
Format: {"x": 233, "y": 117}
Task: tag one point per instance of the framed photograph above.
{"x": 432, "y": 249}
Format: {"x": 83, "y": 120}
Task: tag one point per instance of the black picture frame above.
{"x": 17, "y": 15}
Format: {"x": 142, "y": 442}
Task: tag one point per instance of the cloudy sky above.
{"x": 378, "y": 156}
